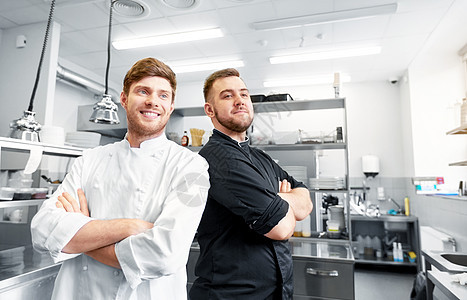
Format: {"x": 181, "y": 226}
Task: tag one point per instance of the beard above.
{"x": 233, "y": 124}
{"x": 149, "y": 129}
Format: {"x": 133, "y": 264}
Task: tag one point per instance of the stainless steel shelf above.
{"x": 384, "y": 262}
{"x": 15, "y": 203}
{"x": 281, "y": 147}
{"x": 459, "y": 130}
{"x": 17, "y": 145}
{"x": 460, "y": 163}
{"x": 278, "y": 106}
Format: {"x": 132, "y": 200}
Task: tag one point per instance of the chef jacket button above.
{"x": 85, "y": 268}
{"x": 116, "y": 273}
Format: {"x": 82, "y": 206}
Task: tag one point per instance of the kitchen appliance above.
{"x": 257, "y": 98}
{"x": 328, "y": 201}
{"x": 336, "y": 214}
{"x": 278, "y": 97}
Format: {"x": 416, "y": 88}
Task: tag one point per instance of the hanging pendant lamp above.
{"x": 105, "y": 111}
{"x": 26, "y": 127}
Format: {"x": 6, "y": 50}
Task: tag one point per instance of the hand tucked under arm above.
{"x": 97, "y": 233}
{"x": 298, "y": 198}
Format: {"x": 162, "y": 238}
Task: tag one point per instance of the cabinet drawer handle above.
{"x": 331, "y": 273}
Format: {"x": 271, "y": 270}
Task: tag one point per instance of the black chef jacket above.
{"x": 236, "y": 260}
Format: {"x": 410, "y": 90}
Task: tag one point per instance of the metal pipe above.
{"x": 80, "y": 81}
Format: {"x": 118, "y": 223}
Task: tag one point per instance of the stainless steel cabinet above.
{"x": 322, "y": 269}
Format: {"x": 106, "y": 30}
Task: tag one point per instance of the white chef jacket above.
{"x": 160, "y": 182}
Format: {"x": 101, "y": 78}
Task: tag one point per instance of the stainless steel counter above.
{"x": 441, "y": 276}
{"x": 323, "y": 249}
{"x": 22, "y": 270}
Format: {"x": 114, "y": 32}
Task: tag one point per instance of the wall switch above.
{"x": 381, "y": 193}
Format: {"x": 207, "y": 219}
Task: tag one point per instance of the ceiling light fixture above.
{"x": 327, "y": 17}
{"x": 26, "y": 127}
{"x": 178, "y": 37}
{"x": 323, "y": 55}
{"x": 318, "y": 79}
{"x": 207, "y": 66}
{"x": 105, "y": 111}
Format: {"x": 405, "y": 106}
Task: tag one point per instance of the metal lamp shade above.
{"x": 26, "y": 127}
{"x": 105, "y": 111}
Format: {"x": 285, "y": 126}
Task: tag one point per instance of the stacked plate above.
{"x": 83, "y": 139}
{"x": 297, "y": 172}
{"x": 327, "y": 183}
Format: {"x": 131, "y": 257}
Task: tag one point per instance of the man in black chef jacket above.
{"x": 252, "y": 205}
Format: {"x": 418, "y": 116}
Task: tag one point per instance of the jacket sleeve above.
{"x": 164, "y": 249}
{"x": 52, "y": 228}
{"x": 245, "y": 190}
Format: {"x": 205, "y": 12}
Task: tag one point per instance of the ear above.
{"x": 172, "y": 107}
{"x": 208, "y": 110}
{"x": 123, "y": 100}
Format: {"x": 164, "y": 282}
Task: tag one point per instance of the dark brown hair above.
{"x": 208, "y": 83}
{"x": 149, "y": 67}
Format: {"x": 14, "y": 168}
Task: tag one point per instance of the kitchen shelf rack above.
{"x": 47, "y": 149}
{"x": 16, "y": 203}
{"x": 16, "y": 145}
{"x": 290, "y": 106}
{"x": 278, "y": 106}
{"x": 459, "y": 130}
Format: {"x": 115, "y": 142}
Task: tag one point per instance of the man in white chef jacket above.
{"x": 139, "y": 203}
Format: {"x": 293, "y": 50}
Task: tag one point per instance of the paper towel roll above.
{"x": 370, "y": 165}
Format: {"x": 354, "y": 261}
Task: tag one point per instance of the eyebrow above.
{"x": 148, "y": 87}
{"x": 232, "y": 90}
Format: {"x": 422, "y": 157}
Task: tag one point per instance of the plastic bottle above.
{"x": 185, "y": 139}
{"x": 407, "y": 206}
{"x": 395, "y": 253}
{"x": 400, "y": 254}
{"x": 306, "y": 227}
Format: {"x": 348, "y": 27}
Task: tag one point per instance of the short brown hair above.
{"x": 216, "y": 75}
{"x": 147, "y": 67}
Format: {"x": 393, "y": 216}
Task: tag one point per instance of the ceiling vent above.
{"x": 131, "y": 8}
{"x": 180, "y": 4}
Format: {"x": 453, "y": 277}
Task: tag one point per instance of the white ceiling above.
{"x": 84, "y": 35}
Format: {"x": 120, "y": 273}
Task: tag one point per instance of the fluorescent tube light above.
{"x": 167, "y": 39}
{"x": 319, "y": 79}
{"x": 207, "y": 66}
{"x": 327, "y": 17}
{"x": 323, "y": 55}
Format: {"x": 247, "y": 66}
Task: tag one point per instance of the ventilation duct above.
{"x": 82, "y": 82}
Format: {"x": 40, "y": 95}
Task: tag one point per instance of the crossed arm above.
{"x": 300, "y": 207}
{"x": 98, "y": 237}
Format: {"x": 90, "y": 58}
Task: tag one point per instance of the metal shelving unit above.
{"x": 459, "y": 130}
{"x": 290, "y": 106}
{"x": 16, "y": 145}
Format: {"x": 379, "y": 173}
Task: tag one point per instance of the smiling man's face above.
{"x": 229, "y": 106}
{"x": 148, "y": 106}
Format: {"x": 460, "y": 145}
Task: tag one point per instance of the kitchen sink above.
{"x": 447, "y": 261}
{"x": 458, "y": 259}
